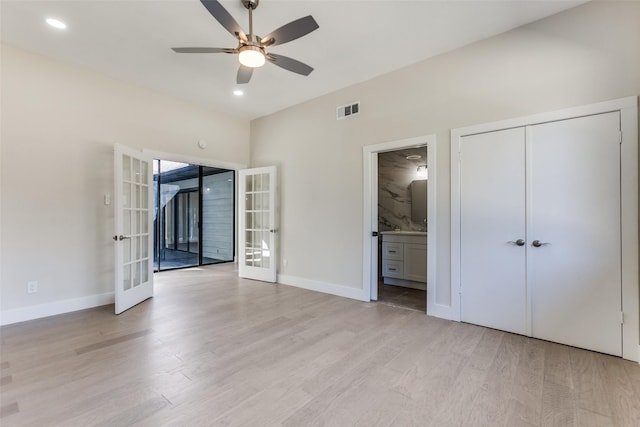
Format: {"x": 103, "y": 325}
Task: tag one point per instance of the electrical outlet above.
{"x": 32, "y": 287}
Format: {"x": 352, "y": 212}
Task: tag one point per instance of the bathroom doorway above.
{"x": 398, "y": 267}
{"x": 402, "y": 225}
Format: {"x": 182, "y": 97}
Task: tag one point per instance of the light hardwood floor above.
{"x": 210, "y": 349}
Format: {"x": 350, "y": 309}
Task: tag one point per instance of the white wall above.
{"x": 59, "y": 124}
{"x": 584, "y": 55}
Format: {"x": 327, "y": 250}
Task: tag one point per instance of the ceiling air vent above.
{"x": 348, "y": 110}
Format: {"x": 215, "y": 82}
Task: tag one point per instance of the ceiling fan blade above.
{"x": 203, "y": 50}
{"x": 291, "y": 31}
{"x": 244, "y": 74}
{"x": 224, "y": 18}
{"x": 289, "y": 64}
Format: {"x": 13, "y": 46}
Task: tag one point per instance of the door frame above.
{"x": 628, "y": 108}
{"x": 370, "y": 213}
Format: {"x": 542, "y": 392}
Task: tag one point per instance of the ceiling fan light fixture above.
{"x": 56, "y": 23}
{"x": 251, "y": 56}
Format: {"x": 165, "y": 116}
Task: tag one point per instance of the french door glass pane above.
{"x": 126, "y": 168}
{"x": 126, "y": 195}
{"x": 126, "y": 277}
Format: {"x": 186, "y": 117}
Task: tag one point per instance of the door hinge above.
{"x": 622, "y": 317}
{"x": 620, "y": 137}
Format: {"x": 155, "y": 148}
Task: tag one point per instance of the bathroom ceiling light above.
{"x": 414, "y": 157}
{"x": 55, "y": 23}
{"x": 238, "y": 92}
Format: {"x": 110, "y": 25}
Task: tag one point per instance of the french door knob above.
{"x": 518, "y": 242}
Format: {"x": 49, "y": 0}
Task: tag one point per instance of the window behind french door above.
{"x": 194, "y": 215}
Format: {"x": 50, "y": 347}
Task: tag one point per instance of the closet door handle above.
{"x": 518, "y": 242}
{"x": 538, "y": 243}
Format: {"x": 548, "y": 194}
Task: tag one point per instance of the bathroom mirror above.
{"x": 419, "y": 201}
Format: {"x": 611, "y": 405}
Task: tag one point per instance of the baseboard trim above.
{"x": 327, "y": 288}
{"x": 39, "y": 311}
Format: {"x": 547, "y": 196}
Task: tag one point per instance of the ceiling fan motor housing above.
{"x": 250, "y": 4}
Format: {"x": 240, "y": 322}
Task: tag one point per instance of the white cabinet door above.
{"x": 415, "y": 262}
{"x": 574, "y": 211}
{"x": 492, "y": 206}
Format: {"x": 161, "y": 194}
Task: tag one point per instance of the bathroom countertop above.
{"x": 406, "y": 233}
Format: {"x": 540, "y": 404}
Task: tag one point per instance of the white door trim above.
{"x": 628, "y": 108}
{"x": 370, "y": 215}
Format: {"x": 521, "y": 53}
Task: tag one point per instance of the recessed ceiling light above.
{"x": 55, "y": 23}
{"x": 414, "y": 157}
{"x": 238, "y": 92}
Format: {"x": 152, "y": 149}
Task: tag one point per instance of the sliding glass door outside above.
{"x": 194, "y": 215}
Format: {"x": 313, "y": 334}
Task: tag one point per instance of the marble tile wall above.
{"x": 395, "y": 174}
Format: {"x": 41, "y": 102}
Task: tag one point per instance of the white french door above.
{"x": 540, "y": 231}
{"x": 133, "y": 202}
{"x": 257, "y": 224}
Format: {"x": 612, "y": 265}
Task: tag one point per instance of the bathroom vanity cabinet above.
{"x": 404, "y": 258}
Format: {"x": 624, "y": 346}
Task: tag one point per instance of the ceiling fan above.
{"x": 252, "y": 50}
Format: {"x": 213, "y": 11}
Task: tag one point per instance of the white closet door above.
{"x": 574, "y": 212}
{"x": 492, "y": 206}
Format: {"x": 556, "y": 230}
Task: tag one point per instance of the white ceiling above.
{"x": 357, "y": 40}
